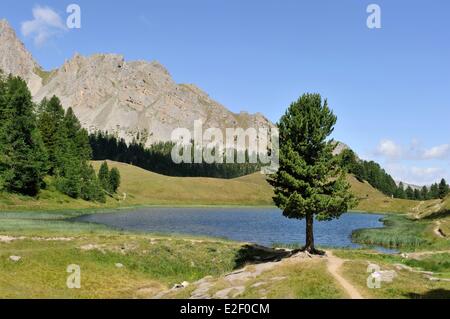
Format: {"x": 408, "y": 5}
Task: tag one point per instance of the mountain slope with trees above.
{"x": 44, "y": 146}
{"x": 376, "y": 176}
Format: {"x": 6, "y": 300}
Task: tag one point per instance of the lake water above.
{"x": 264, "y": 226}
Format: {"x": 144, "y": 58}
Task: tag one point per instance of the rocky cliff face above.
{"x": 124, "y": 98}
{"x": 15, "y": 59}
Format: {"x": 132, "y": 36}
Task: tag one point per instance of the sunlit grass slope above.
{"x": 144, "y": 187}
{"x": 372, "y": 200}
{"x": 141, "y": 187}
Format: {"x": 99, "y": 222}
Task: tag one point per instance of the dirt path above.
{"x": 438, "y": 231}
{"x": 235, "y": 283}
{"x": 334, "y": 264}
{"x": 417, "y": 211}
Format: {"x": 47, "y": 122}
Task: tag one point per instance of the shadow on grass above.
{"x": 438, "y": 215}
{"x": 255, "y": 254}
{"x": 431, "y": 294}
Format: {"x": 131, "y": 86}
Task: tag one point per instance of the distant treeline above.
{"x": 42, "y": 146}
{"x": 377, "y": 177}
{"x": 157, "y": 158}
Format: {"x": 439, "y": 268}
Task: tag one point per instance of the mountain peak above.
{"x": 6, "y": 29}
{"x": 125, "y": 98}
{"x": 4, "y": 24}
{"x": 15, "y": 59}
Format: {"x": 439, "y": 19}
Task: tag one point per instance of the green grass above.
{"x": 144, "y": 188}
{"x": 407, "y": 284}
{"x": 399, "y": 232}
{"x": 372, "y": 200}
{"x": 151, "y": 262}
{"x": 445, "y": 226}
{"x": 308, "y": 280}
{"x": 438, "y": 263}
{"x": 46, "y": 76}
{"x": 48, "y": 200}
{"x": 41, "y": 273}
{"x": 435, "y": 209}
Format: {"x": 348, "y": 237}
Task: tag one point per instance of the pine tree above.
{"x": 434, "y": 191}
{"x": 70, "y": 150}
{"x": 50, "y": 123}
{"x": 91, "y": 190}
{"x": 424, "y": 193}
{"x": 310, "y": 183}
{"x": 71, "y": 181}
{"x": 77, "y": 135}
{"x": 4, "y": 118}
{"x": 401, "y": 191}
{"x": 23, "y": 157}
{"x": 103, "y": 177}
{"x": 114, "y": 179}
{"x": 348, "y": 160}
{"x": 417, "y": 195}
{"x": 443, "y": 189}
{"x": 409, "y": 193}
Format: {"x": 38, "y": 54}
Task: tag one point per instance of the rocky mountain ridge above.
{"x": 136, "y": 99}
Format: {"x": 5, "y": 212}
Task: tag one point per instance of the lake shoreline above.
{"x": 244, "y": 224}
{"x": 94, "y": 210}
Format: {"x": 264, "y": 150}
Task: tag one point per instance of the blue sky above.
{"x": 389, "y": 87}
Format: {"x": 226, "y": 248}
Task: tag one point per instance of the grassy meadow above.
{"x": 141, "y": 187}
{"x": 372, "y": 200}
{"x": 409, "y": 283}
{"x": 118, "y": 264}
{"x": 147, "y": 264}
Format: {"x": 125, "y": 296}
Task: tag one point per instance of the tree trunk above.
{"x": 309, "y": 247}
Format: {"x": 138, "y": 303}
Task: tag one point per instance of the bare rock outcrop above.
{"x": 16, "y": 60}
{"x": 128, "y": 99}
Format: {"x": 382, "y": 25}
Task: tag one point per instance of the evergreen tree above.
{"x": 78, "y": 136}
{"x": 348, "y": 160}
{"x": 91, "y": 190}
{"x": 71, "y": 181}
{"x": 50, "y": 123}
{"x": 401, "y": 191}
{"x": 417, "y": 195}
{"x": 68, "y": 145}
{"x": 157, "y": 158}
{"x": 310, "y": 183}
{"x": 424, "y": 193}
{"x": 409, "y": 193}
{"x": 4, "y": 118}
{"x": 443, "y": 189}
{"x": 103, "y": 177}
{"x": 434, "y": 191}
{"x": 114, "y": 179}
{"x": 23, "y": 157}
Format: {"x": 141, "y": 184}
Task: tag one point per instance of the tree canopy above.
{"x": 43, "y": 140}
{"x": 22, "y": 154}
{"x": 310, "y": 182}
